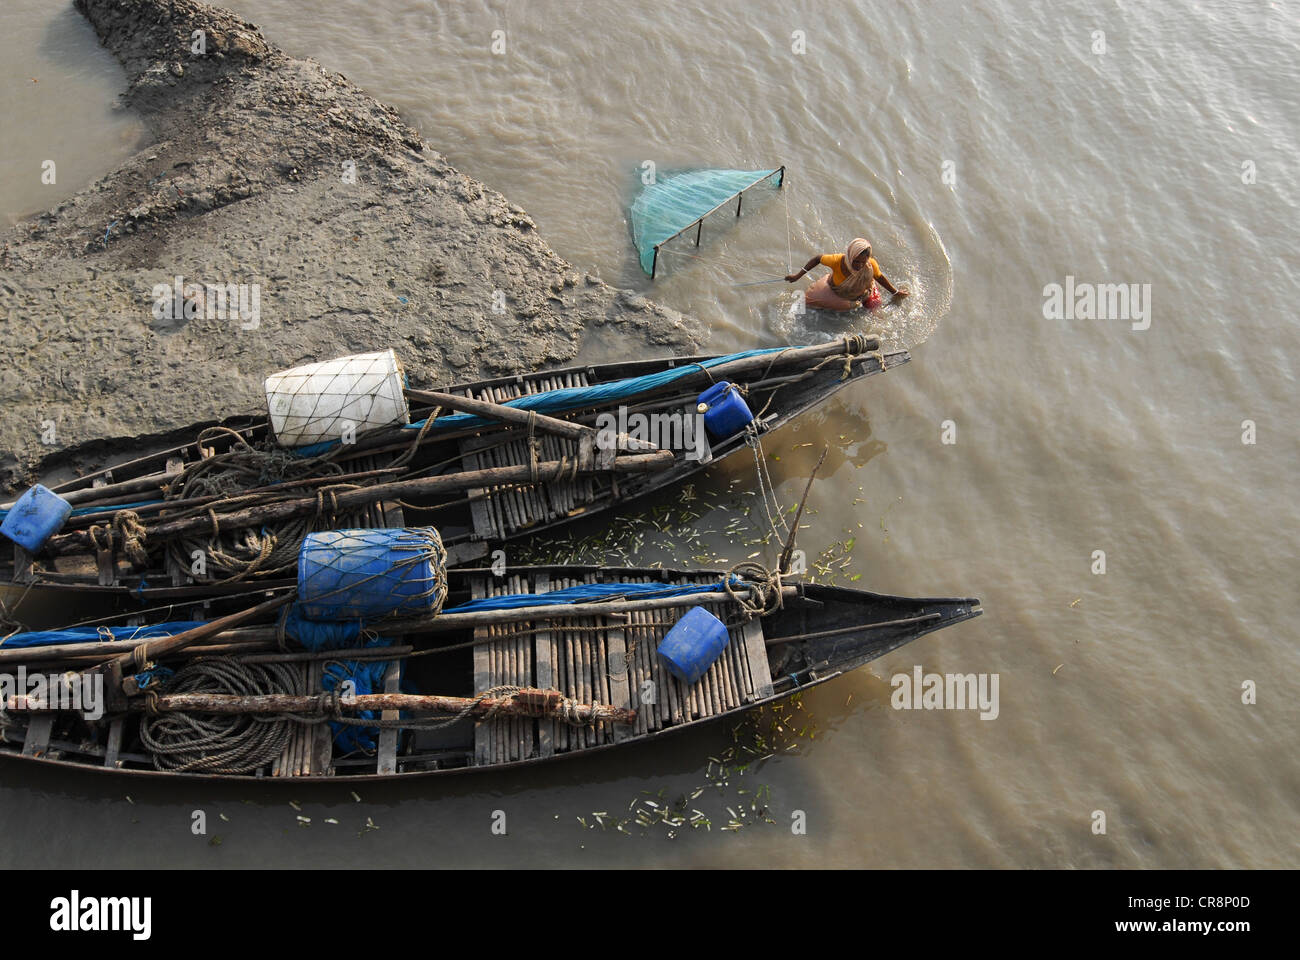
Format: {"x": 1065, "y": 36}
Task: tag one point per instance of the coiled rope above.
{"x": 247, "y": 553}
{"x": 181, "y": 741}
{"x": 221, "y": 743}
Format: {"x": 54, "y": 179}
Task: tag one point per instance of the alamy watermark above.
{"x": 948, "y": 691}
{"x": 667, "y": 431}
{"x": 179, "y": 300}
{"x": 83, "y": 693}
{"x": 78, "y": 914}
{"x": 1098, "y": 301}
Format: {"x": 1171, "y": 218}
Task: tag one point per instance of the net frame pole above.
{"x": 778, "y": 172}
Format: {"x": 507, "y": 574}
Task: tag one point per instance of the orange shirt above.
{"x": 836, "y": 262}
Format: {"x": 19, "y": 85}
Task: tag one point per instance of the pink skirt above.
{"x": 820, "y": 296}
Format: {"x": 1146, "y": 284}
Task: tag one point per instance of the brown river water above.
{"x": 988, "y": 150}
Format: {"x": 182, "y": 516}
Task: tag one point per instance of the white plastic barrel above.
{"x": 336, "y": 398}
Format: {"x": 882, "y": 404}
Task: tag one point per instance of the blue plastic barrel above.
{"x": 725, "y": 410}
{"x": 370, "y": 574}
{"x": 35, "y": 518}
{"x": 693, "y": 643}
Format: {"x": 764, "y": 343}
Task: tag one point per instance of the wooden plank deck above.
{"x": 509, "y": 510}
{"x": 310, "y": 747}
{"x": 113, "y": 751}
{"x": 37, "y": 740}
{"x": 388, "y": 735}
{"x": 612, "y": 661}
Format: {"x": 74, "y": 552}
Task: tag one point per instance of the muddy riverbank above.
{"x": 304, "y": 220}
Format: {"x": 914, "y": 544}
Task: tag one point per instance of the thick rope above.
{"x": 221, "y": 743}
{"x": 130, "y": 531}
{"x": 762, "y": 589}
{"x": 532, "y": 446}
{"x": 244, "y": 554}
{"x": 406, "y": 457}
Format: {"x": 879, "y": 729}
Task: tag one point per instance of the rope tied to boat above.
{"x": 566, "y": 465}
{"x": 405, "y": 458}
{"x": 256, "y": 553}
{"x": 755, "y": 589}
{"x": 533, "y": 450}
{"x": 248, "y": 553}
{"x": 130, "y": 531}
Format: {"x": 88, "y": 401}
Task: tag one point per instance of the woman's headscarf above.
{"x": 856, "y": 283}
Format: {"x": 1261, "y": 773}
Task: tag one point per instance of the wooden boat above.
{"x": 139, "y": 523}
{"x": 590, "y": 662}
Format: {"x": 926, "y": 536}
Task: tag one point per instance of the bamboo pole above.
{"x": 446, "y": 621}
{"x": 79, "y": 542}
{"x": 86, "y": 519}
{"x": 440, "y": 623}
{"x": 96, "y": 652}
{"x": 162, "y": 646}
{"x": 528, "y": 702}
{"x": 501, "y": 412}
{"x": 784, "y": 563}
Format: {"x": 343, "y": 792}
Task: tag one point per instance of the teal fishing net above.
{"x": 668, "y": 206}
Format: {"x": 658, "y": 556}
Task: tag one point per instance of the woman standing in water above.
{"x": 852, "y": 280}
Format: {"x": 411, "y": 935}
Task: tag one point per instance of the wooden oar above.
{"x": 79, "y": 542}
{"x": 516, "y": 416}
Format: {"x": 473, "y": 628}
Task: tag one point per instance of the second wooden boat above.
{"x": 536, "y": 665}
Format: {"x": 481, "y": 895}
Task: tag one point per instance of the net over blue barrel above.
{"x": 372, "y": 574}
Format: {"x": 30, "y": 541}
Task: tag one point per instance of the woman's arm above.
{"x": 806, "y": 267}
{"x": 896, "y": 291}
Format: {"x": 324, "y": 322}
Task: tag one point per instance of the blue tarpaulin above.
{"x": 100, "y": 634}
{"x": 367, "y": 677}
{"x": 566, "y": 399}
